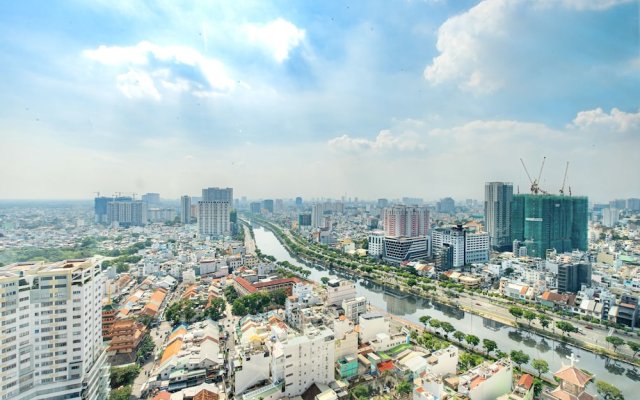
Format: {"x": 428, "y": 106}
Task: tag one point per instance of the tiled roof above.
{"x": 573, "y": 376}
{"x": 526, "y": 381}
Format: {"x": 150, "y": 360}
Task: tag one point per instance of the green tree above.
{"x": 324, "y": 280}
{"x": 434, "y": 323}
{"x": 565, "y": 327}
{"x": 517, "y": 312}
{"x": 541, "y": 366}
{"x": 360, "y": 392}
{"x": 519, "y": 357}
{"x": 544, "y": 320}
{"x": 615, "y": 342}
{"x": 459, "y": 336}
{"x": 146, "y": 348}
{"x": 489, "y": 345}
{"x": 404, "y": 388}
{"x": 473, "y": 340}
{"x": 424, "y": 319}
{"x": 634, "y": 346}
{"x": 608, "y": 391}
{"x": 279, "y": 297}
{"x": 529, "y": 316}
{"x": 121, "y": 393}
{"x": 216, "y": 309}
{"x": 447, "y": 328}
{"x": 239, "y": 308}
{"x": 123, "y": 376}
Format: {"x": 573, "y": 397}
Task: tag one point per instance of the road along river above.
{"x": 410, "y": 307}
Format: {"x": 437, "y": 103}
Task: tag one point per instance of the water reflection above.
{"x": 516, "y": 336}
{"x": 622, "y": 375}
{"x": 543, "y": 346}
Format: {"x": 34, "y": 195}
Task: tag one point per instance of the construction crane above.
{"x": 535, "y": 184}
{"x": 564, "y": 180}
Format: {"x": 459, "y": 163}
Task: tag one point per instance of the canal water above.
{"x": 410, "y": 307}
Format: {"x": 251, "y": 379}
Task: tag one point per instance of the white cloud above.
{"x": 384, "y": 141}
{"x": 176, "y": 68}
{"x": 477, "y": 48}
{"x": 599, "y": 120}
{"x": 137, "y": 84}
{"x": 460, "y": 42}
{"x": 277, "y": 37}
{"x": 584, "y": 5}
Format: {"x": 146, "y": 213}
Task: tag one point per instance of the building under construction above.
{"x": 541, "y": 222}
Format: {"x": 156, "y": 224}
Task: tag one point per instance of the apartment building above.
{"x": 51, "y": 320}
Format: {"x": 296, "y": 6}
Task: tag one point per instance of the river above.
{"x": 622, "y": 375}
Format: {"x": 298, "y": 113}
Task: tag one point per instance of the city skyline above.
{"x": 332, "y": 99}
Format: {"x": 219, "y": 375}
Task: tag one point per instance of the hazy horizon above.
{"x": 373, "y": 100}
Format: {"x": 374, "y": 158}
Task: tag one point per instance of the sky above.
{"x": 368, "y": 99}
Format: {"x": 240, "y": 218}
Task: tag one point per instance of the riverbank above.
{"x": 484, "y": 311}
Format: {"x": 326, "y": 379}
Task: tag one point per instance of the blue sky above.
{"x": 321, "y": 99}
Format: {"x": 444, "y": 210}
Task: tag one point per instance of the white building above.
{"x": 610, "y": 217}
{"x": 339, "y": 290}
{"x": 372, "y": 324}
{"x": 467, "y": 247}
{"x": 214, "y": 218}
{"x": 346, "y": 338}
{"x": 376, "y": 243}
{"x": 487, "y": 381}
{"x": 317, "y": 216}
{"x": 127, "y": 213}
{"x": 188, "y": 276}
{"x": 354, "y": 308}
{"x": 51, "y": 318}
{"x": 476, "y": 247}
{"x": 302, "y": 360}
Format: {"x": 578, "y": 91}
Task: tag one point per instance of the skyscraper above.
{"x": 317, "y": 215}
{"x": 214, "y": 218}
{"x": 214, "y": 212}
{"x": 446, "y": 205}
{"x": 497, "y": 213}
{"x": 267, "y": 205}
{"x": 100, "y": 209}
{"x": 406, "y": 221}
{"x": 151, "y": 198}
{"x": 127, "y": 212}
{"x": 51, "y": 317}
{"x": 218, "y": 194}
{"x": 298, "y": 202}
{"x": 185, "y": 209}
{"x": 544, "y": 222}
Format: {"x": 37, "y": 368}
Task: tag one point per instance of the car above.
{"x": 589, "y": 327}
{"x": 478, "y": 304}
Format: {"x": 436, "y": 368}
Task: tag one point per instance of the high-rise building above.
{"x": 497, "y": 213}
{"x": 545, "y": 222}
{"x": 403, "y": 248}
{"x": 406, "y": 221}
{"x": 279, "y": 206}
{"x": 304, "y": 219}
{"x": 383, "y": 203}
{"x": 151, "y": 198}
{"x": 460, "y": 245}
{"x": 127, "y": 212}
{"x": 618, "y": 204}
{"x": 633, "y": 204}
{"x": 298, "y": 202}
{"x": 218, "y": 194}
{"x": 610, "y": 217}
{"x": 100, "y": 209}
{"x": 51, "y": 318}
{"x": 185, "y": 209}
{"x": 572, "y": 275}
{"x": 267, "y": 205}
{"x": 446, "y": 206}
{"x": 255, "y": 207}
{"x": 317, "y": 215}
{"x": 214, "y": 218}
{"x": 375, "y": 246}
